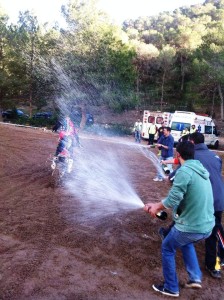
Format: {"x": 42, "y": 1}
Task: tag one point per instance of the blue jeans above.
{"x": 184, "y": 241}
{"x": 169, "y": 166}
{"x": 137, "y": 136}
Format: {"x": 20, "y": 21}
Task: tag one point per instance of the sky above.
{"x": 119, "y": 10}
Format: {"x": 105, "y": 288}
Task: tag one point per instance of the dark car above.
{"x": 13, "y": 114}
{"x": 43, "y": 115}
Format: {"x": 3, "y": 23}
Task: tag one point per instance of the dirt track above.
{"x": 81, "y": 240}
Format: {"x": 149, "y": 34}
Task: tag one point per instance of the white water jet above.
{"x": 154, "y": 159}
{"x": 101, "y": 182}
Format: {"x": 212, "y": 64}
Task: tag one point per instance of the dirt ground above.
{"x": 89, "y": 238}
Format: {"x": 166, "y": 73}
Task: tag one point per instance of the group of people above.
{"x": 187, "y": 131}
{"x": 152, "y": 130}
{"x": 197, "y": 201}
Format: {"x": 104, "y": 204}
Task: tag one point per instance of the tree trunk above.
{"x": 182, "y": 73}
{"x": 31, "y": 78}
{"x": 162, "y": 90}
{"x": 137, "y": 87}
{"x": 221, "y": 98}
{"x": 213, "y": 101}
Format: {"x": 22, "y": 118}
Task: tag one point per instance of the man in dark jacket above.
{"x": 213, "y": 163}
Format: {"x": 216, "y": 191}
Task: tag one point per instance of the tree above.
{"x": 166, "y": 63}
{"x": 98, "y": 56}
{"x": 3, "y": 55}
{"x": 145, "y": 64}
{"x": 28, "y": 40}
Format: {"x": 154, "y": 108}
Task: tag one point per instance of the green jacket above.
{"x": 191, "y": 199}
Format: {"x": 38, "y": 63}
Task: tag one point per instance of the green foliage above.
{"x": 110, "y": 129}
{"x": 42, "y": 122}
{"x": 120, "y": 104}
{"x": 174, "y": 57}
{"x": 46, "y": 123}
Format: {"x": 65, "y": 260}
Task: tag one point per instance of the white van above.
{"x": 204, "y": 124}
{"x": 150, "y": 116}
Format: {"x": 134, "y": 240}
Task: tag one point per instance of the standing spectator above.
{"x": 213, "y": 163}
{"x": 191, "y": 200}
{"x": 152, "y": 131}
{"x": 165, "y": 144}
{"x": 137, "y": 130}
{"x": 185, "y": 131}
{"x": 193, "y": 129}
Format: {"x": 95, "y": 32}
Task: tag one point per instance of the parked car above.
{"x": 43, "y": 115}
{"x": 13, "y": 114}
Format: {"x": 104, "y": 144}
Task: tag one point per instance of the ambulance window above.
{"x": 208, "y": 129}
{"x": 179, "y": 126}
{"x": 151, "y": 119}
{"x": 159, "y": 120}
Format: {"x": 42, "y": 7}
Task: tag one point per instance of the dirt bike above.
{"x": 60, "y": 166}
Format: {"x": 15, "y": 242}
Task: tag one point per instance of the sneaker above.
{"x": 214, "y": 273}
{"x": 157, "y": 179}
{"x": 193, "y": 285}
{"x": 162, "y": 290}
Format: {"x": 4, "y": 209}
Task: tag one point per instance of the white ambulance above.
{"x": 204, "y": 124}
{"x": 150, "y": 116}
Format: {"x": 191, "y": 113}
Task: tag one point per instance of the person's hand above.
{"x": 147, "y": 207}
{"x": 163, "y": 162}
{"x": 159, "y": 145}
{"x": 153, "y": 208}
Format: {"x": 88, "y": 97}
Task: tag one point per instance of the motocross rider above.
{"x": 66, "y": 142}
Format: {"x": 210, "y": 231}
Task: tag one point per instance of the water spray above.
{"x": 156, "y": 162}
{"x": 101, "y": 181}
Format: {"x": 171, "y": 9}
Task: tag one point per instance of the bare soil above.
{"x": 51, "y": 249}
